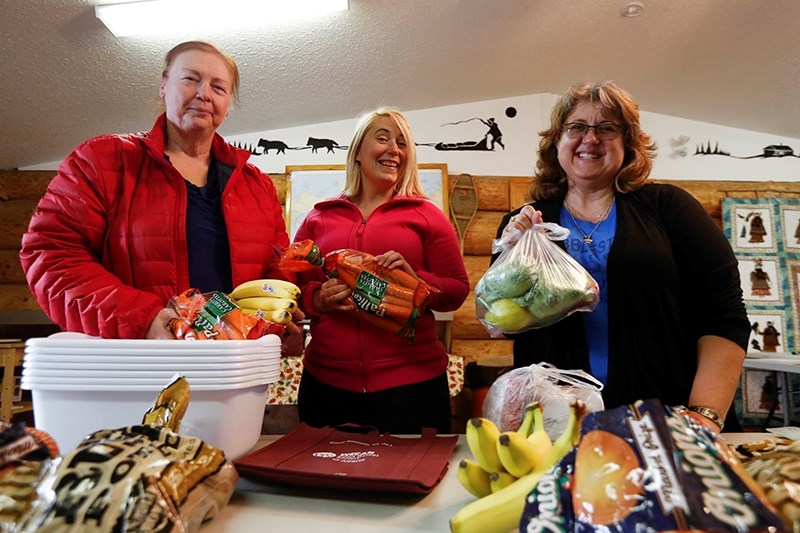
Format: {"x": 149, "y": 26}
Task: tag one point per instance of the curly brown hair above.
{"x": 550, "y": 180}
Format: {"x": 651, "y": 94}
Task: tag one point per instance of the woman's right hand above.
{"x": 159, "y": 327}
{"x": 519, "y": 223}
{"x": 333, "y": 295}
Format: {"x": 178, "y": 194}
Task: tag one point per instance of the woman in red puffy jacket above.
{"x": 131, "y": 220}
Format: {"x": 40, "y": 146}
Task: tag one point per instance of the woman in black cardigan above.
{"x": 671, "y": 323}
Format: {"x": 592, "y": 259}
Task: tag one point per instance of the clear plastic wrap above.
{"x": 533, "y": 283}
{"x": 554, "y": 388}
{"x": 390, "y": 299}
{"x": 215, "y": 316}
{"x": 645, "y": 467}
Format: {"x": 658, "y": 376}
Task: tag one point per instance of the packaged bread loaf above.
{"x": 140, "y": 478}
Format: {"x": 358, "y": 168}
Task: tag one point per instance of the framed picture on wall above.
{"x": 308, "y": 184}
{"x": 752, "y": 226}
{"x": 768, "y": 332}
{"x": 790, "y": 227}
{"x": 760, "y": 395}
{"x": 762, "y": 282}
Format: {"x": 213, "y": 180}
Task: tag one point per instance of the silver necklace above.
{"x": 599, "y": 215}
{"x": 587, "y": 238}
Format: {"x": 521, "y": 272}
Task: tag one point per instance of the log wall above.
{"x": 20, "y": 192}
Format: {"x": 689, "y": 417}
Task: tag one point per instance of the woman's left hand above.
{"x": 293, "y": 341}
{"x": 391, "y": 260}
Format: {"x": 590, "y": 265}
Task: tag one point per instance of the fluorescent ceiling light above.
{"x": 169, "y": 17}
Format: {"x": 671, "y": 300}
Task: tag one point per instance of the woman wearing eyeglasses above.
{"x": 671, "y": 323}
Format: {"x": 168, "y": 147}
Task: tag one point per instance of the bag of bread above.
{"x": 645, "y": 467}
{"x": 774, "y": 463}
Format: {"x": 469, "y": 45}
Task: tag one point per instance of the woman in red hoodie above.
{"x": 354, "y": 371}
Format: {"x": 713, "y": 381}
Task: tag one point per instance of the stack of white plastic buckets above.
{"x": 82, "y": 384}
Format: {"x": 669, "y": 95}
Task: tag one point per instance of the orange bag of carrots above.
{"x": 388, "y": 298}
{"x": 215, "y": 316}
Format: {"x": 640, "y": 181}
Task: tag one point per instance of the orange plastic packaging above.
{"x": 388, "y": 298}
{"x": 215, "y": 316}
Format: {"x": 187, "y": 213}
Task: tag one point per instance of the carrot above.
{"x": 384, "y": 323}
{"x": 401, "y": 313}
{"x": 399, "y": 292}
{"x": 300, "y": 256}
{"x": 396, "y": 300}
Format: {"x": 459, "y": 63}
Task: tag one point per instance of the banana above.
{"x": 526, "y": 426}
{"x": 517, "y": 454}
{"x": 569, "y": 438}
{"x": 500, "y": 480}
{"x": 501, "y": 511}
{"x": 482, "y": 435}
{"x": 277, "y": 316}
{"x": 275, "y": 288}
{"x": 473, "y": 478}
{"x": 538, "y": 437}
{"x": 266, "y": 303}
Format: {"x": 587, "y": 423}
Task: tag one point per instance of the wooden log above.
{"x": 19, "y": 185}
{"x": 481, "y": 233}
{"x": 492, "y": 193}
{"x": 473, "y": 350}
{"x": 14, "y": 297}
{"x": 11, "y": 268}
{"x": 476, "y": 266}
{"x": 465, "y": 324}
{"x": 15, "y": 215}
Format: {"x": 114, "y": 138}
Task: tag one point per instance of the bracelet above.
{"x": 709, "y": 413}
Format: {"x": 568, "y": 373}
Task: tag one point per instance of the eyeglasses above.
{"x": 604, "y": 132}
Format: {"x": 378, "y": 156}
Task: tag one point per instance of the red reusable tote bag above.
{"x": 352, "y": 457}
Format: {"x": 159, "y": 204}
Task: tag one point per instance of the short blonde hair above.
{"x": 550, "y": 180}
{"x": 204, "y": 46}
{"x": 409, "y": 184}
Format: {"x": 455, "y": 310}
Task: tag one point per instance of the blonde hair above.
{"x": 550, "y": 180}
{"x": 409, "y": 184}
{"x": 204, "y": 46}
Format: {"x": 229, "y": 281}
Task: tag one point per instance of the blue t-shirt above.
{"x": 594, "y": 258}
{"x": 207, "y": 235}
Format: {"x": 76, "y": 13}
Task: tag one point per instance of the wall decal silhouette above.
{"x": 280, "y": 147}
{"x": 491, "y": 139}
{"x": 773, "y": 150}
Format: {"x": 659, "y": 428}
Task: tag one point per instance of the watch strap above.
{"x": 709, "y": 413}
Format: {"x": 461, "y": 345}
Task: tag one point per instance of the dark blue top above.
{"x": 207, "y": 235}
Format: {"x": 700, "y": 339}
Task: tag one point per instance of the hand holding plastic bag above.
{"x": 533, "y": 283}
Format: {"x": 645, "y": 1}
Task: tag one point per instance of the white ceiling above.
{"x": 65, "y": 78}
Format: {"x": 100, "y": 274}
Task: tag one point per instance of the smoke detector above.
{"x": 632, "y": 9}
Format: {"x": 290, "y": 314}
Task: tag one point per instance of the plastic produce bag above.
{"x": 533, "y": 283}
{"x": 554, "y": 388}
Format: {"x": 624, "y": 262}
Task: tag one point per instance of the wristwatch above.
{"x": 708, "y": 413}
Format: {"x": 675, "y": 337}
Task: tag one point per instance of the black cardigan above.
{"x": 672, "y": 278}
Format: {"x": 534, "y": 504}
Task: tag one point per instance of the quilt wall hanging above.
{"x": 765, "y": 236}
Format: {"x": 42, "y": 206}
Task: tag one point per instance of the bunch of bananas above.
{"x": 507, "y": 466}
{"x": 271, "y": 299}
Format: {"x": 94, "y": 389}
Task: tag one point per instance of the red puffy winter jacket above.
{"x": 106, "y": 248}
